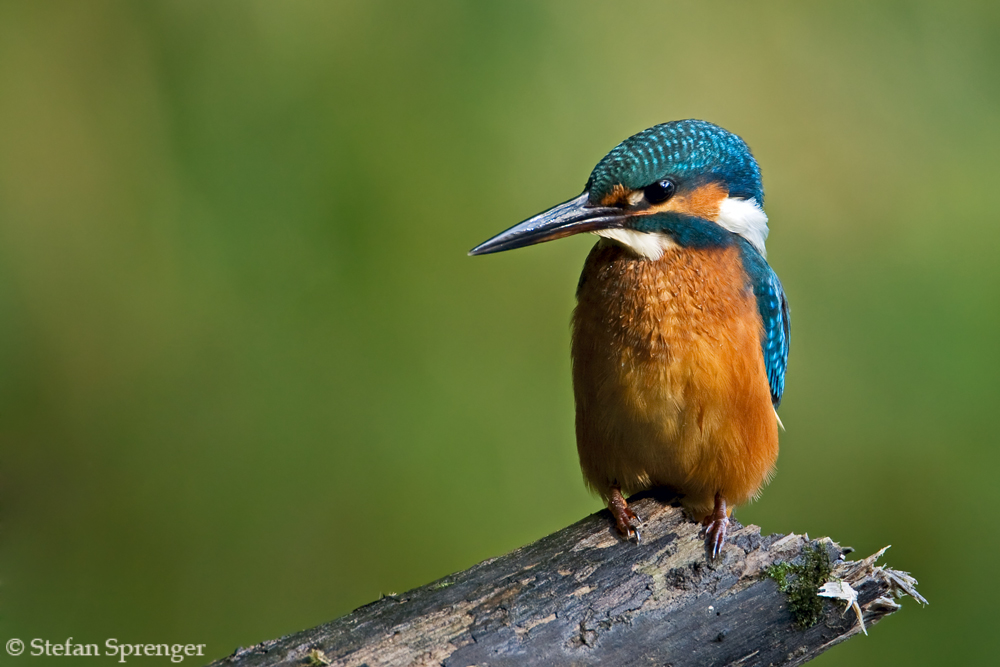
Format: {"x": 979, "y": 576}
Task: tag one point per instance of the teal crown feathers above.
{"x": 679, "y": 149}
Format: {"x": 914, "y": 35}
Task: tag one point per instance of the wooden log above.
{"x": 583, "y": 596}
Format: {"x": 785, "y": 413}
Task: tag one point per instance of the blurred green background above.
{"x": 250, "y": 380}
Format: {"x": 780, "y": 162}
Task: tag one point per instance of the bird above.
{"x": 681, "y": 331}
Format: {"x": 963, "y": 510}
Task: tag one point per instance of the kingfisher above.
{"x": 681, "y": 329}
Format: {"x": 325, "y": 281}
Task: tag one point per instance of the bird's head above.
{"x": 678, "y": 183}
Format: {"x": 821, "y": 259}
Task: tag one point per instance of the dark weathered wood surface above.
{"x": 582, "y": 596}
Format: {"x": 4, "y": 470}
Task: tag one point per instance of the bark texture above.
{"x": 582, "y": 596}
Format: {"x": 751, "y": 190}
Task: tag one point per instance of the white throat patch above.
{"x": 650, "y": 245}
{"x": 746, "y": 218}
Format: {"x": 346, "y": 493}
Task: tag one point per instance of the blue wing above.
{"x": 773, "y": 308}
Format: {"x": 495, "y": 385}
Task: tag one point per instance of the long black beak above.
{"x": 571, "y": 217}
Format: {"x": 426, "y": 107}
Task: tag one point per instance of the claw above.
{"x": 716, "y": 525}
{"x": 626, "y": 521}
{"x": 715, "y": 536}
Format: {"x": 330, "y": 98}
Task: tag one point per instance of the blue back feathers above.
{"x": 773, "y": 309}
{"x": 680, "y": 148}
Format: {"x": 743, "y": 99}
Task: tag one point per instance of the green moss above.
{"x": 801, "y": 583}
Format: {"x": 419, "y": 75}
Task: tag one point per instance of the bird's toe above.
{"x": 715, "y": 536}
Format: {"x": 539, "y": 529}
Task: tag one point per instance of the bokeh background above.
{"x": 250, "y": 380}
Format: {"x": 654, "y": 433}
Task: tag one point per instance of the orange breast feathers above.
{"x": 669, "y": 376}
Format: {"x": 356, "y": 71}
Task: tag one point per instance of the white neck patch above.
{"x": 650, "y": 245}
{"x": 746, "y": 218}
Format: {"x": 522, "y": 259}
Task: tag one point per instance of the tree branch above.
{"x": 582, "y": 596}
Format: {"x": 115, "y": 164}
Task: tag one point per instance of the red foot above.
{"x": 625, "y": 519}
{"x": 716, "y": 524}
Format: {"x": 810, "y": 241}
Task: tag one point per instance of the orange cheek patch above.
{"x": 701, "y": 203}
{"x": 617, "y": 196}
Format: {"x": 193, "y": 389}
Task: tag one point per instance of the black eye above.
{"x": 659, "y": 192}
